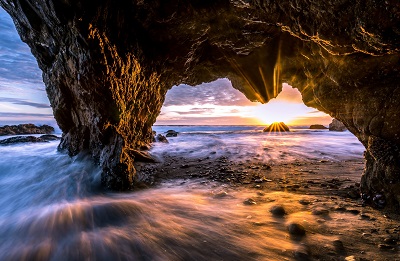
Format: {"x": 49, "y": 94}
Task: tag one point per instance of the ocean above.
{"x": 53, "y": 207}
{"x": 243, "y": 142}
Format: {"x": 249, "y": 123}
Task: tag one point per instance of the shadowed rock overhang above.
{"x": 107, "y": 66}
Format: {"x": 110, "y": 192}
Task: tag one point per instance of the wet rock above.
{"x": 277, "y": 211}
{"x": 161, "y": 138}
{"x": 336, "y": 125}
{"x": 249, "y": 201}
{"x": 301, "y": 254}
{"x": 49, "y": 137}
{"x": 354, "y": 194}
{"x": 277, "y": 127}
{"x": 221, "y": 194}
{"x": 28, "y": 139}
{"x": 390, "y": 241}
{"x": 25, "y": 129}
{"x": 296, "y": 229}
{"x": 320, "y": 212}
{"x": 318, "y": 127}
{"x": 379, "y": 200}
{"x": 353, "y": 211}
{"x": 385, "y": 247}
{"x": 171, "y": 133}
{"x": 364, "y": 216}
{"x": 339, "y": 247}
{"x": 304, "y": 202}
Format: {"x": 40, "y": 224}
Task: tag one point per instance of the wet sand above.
{"x": 320, "y": 196}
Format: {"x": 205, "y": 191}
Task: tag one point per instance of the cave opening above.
{"x": 218, "y": 103}
{"x": 214, "y": 120}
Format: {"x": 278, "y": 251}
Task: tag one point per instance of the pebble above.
{"x": 385, "y": 247}
{"x": 390, "y": 241}
{"x": 296, "y": 229}
{"x": 277, "y": 211}
{"x": 304, "y": 202}
{"x": 249, "y": 201}
{"x": 340, "y": 209}
{"x": 350, "y": 258}
{"x": 364, "y": 216}
{"x": 338, "y": 244}
{"x": 221, "y": 194}
{"x": 320, "y": 212}
{"x": 301, "y": 253}
{"x": 354, "y": 211}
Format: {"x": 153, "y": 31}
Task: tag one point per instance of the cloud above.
{"x": 196, "y": 111}
{"x": 17, "y": 114}
{"x": 25, "y": 103}
{"x": 16, "y": 61}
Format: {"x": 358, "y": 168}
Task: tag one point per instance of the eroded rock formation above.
{"x": 108, "y": 64}
{"x": 336, "y": 125}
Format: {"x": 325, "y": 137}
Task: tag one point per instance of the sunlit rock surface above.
{"x": 108, "y": 64}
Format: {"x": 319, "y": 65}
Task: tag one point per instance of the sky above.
{"x": 218, "y": 103}
{"x": 23, "y": 97}
{"x": 22, "y": 93}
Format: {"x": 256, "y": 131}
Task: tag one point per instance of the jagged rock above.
{"x": 107, "y": 66}
{"x": 25, "y": 129}
{"x": 161, "y": 138}
{"x": 336, "y": 125}
{"x": 317, "y": 127}
{"x": 276, "y": 127}
{"x": 26, "y": 139}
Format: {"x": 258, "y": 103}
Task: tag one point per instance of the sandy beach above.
{"x": 321, "y": 196}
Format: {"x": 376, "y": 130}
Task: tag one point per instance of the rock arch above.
{"x": 108, "y": 64}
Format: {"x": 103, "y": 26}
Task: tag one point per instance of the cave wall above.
{"x": 107, "y": 66}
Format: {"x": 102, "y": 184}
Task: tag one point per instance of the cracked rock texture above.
{"x": 108, "y": 64}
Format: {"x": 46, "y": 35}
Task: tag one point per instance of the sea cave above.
{"x": 107, "y": 66}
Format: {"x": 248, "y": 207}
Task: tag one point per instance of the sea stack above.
{"x": 317, "y": 127}
{"x": 277, "y": 127}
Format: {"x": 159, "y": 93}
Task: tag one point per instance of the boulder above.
{"x": 277, "y": 127}
{"x": 171, "y": 133}
{"x": 161, "y": 138}
{"x": 336, "y": 125}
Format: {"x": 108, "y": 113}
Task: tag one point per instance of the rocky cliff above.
{"x": 108, "y": 64}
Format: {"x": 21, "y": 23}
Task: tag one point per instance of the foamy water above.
{"x": 52, "y": 206}
{"x": 249, "y": 142}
